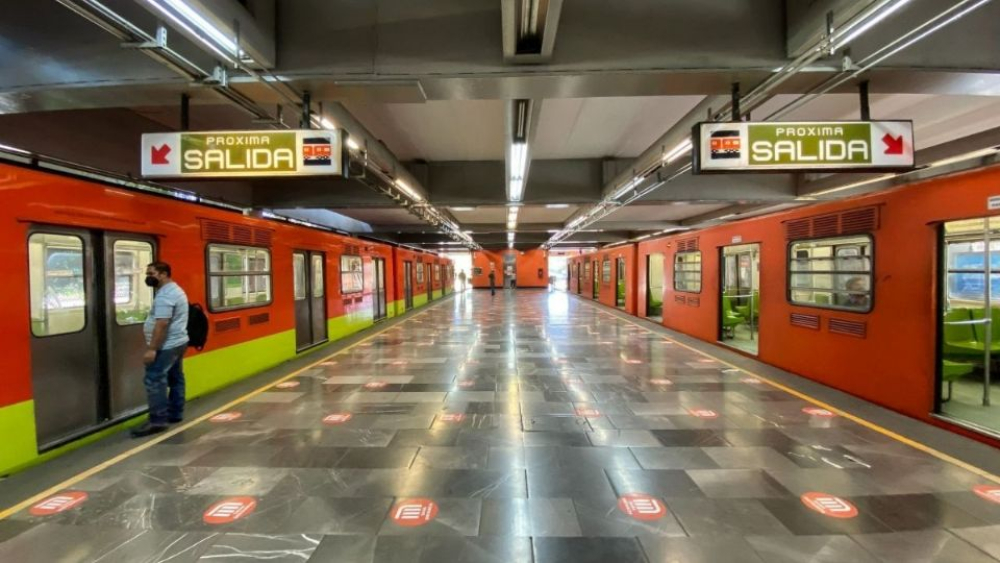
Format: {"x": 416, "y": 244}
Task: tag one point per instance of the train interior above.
{"x": 969, "y": 339}
{"x": 740, "y": 297}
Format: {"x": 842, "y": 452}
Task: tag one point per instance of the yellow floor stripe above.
{"x": 177, "y": 430}
{"x": 867, "y": 424}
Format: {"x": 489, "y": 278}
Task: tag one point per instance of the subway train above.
{"x": 76, "y": 247}
{"x": 882, "y": 296}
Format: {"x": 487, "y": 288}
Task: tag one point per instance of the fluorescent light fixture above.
{"x": 576, "y": 221}
{"x": 680, "y": 150}
{"x": 551, "y": 231}
{"x": 870, "y": 23}
{"x": 408, "y": 191}
{"x": 961, "y": 157}
{"x": 510, "y": 236}
{"x": 326, "y": 123}
{"x": 510, "y": 245}
{"x": 518, "y": 168}
{"x": 188, "y": 19}
{"x": 627, "y": 187}
{"x": 516, "y": 189}
{"x": 556, "y": 205}
{"x": 463, "y": 208}
{"x": 853, "y": 185}
{"x": 352, "y": 144}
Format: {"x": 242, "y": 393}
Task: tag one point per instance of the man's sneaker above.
{"x": 175, "y": 419}
{"x": 148, "y": 429}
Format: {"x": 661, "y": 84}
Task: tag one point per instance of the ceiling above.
{"x": 431, "y": 85}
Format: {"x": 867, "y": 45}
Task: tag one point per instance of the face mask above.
{"x": 152, "y": 282}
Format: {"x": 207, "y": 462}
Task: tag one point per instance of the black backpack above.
{"x": 197, "y": 328}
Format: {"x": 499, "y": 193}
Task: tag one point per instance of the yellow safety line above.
{"x": 867, "y": 424}
{"x": 176, "y": 430}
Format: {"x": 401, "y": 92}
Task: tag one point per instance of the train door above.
{"x": 429, "y": 281}
{"x": 309, "y": 280}
{"x": 596, "y": 279}
{"x": 408, "y": 285}
{"x": 969, "y": 319}
{"x": 380, "y": 297}
{"x": 654, "y": 287}
{"x": 739, "y": 307}
{"x": 579, "y": 279}
{"x": 620, "y": 283}
{"x": 87, "y": 305}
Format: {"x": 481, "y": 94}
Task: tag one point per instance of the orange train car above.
{"x": 76, "y": 252}
{"x": 881, "y": 296}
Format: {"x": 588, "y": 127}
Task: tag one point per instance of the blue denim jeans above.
{"x": 166, "y": 371}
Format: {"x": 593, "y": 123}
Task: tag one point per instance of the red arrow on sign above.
{"x": 159, "y": 154}
{"x": 893, "y": 145}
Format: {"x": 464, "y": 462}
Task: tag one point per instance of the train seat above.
{"x": 960, "y": 340}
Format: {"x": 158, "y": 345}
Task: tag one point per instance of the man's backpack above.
{"x": 197, "y": 327}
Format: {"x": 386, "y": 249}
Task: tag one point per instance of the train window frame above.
{"x": 210, "y": 275}
{"x": 789, "y": 272}
{"x": 361, "y": 288}
{"x": 606, "y": 271}
{"x": 83, "y": 274}
{"x": 700, "y": 271}
{"x": 142, "y": 272}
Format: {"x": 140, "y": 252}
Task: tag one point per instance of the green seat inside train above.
{"x": 952, "y": 371}
{"x": 730, "y": 318}
{"x": 965, "y": 341}
{"x": 744, "y": 310}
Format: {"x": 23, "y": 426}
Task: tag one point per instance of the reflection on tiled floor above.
{"x": 522, "y": 427}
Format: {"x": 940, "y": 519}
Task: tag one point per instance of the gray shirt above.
{"x": 170, "y": 302}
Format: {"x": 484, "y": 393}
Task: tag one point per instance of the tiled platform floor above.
{"x": 520, "y": 423}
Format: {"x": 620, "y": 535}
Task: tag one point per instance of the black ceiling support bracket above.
{"x": 736, "y": 102}
{"x": 866, "y": 114}
{"x": 306, "y": 110}
{"x": 185, "y": 112}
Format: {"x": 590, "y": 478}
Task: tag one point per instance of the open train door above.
{"x": 739, "y": 307}
{"x": 969, "y": 321}
{"x": 408, "y": 285}
{"x": 654, "y": 287}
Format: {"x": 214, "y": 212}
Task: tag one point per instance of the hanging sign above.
{"x": 803, "y": 146}
{"x": 228, "y": 154}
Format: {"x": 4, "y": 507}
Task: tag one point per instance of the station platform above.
{"x": 526, "y": 426}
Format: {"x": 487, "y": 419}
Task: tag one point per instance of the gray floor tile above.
{"x": 929, "y": 546}
{"x": 814, "y": 549}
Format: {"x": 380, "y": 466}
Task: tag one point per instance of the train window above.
{"x": 317, "y": 272}
{"x": 132, "y": 298}
{"x": 58, "y": 297}
{"x": 832, "y": 273}
{"x": 586, "y": 270}
{"x": 299, "y": 275}
{"x": 238, "y": 277}
{"x": 687, "y": 271}
{"x": 437, "y": 273}
{"x": 606, "y": 271}
{"x": 352, "y": 278}
{"x": 420, "y": 272}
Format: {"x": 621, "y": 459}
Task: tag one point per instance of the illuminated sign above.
{"x": 227, "y": 154}
{"x": 803, "y": 146}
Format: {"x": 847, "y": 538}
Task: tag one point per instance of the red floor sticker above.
{"x": 642, "y": 506}
{"x": 661, "y": 381}
{"x": 633, "y": 361}
{"x": 287, "y": 385}
{"x": 587, "y": 412}
{"x": 226, "y": 417}
{"x": 375, "y": 384}
{"x": 988, "y": 492}
{"x": 229, "y": 510}
{"x": 58, "y": 503}
{"x": 829, "y": 505}
{"x": 816, "y": 411}
{"x": 414, "y": 512}
{"x": 452, "y": 417}
{"x": 337, "y": 418}
{"x": 703, "y": 413}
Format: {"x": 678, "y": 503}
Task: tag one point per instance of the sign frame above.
{"x": 272, "y": 153}
{"x": 742, "y": 127}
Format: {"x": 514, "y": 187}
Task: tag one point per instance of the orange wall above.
{"x": 529, "y": 262}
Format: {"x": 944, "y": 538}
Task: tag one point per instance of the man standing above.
{"x": 461, "y": 279}
{"x": 166, "y": 342}
{"x": 493, "y": 280}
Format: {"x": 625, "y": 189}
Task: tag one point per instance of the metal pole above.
{"x": 306, "y": 111}
{"x": 185, "y": 112}
{"x": 987, "y": 316}
{"x": 736, "y": 102}
{"x": 863, "y": 94}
